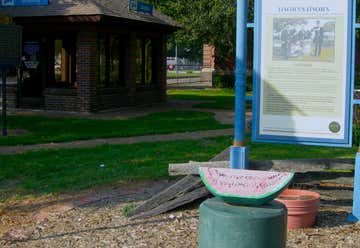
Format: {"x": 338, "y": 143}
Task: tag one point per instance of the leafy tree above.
{"x": 204, "y": 21}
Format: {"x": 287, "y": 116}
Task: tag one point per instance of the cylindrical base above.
{"x": 231, "y": 226}
{"x": 239, "y": 157}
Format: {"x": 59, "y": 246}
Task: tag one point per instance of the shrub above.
{"x": 356, "y": 133}
{"x": 222, "y": 79}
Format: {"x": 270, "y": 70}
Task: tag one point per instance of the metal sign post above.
{"x": 239, "y": 151}
{"x": 3, "y": 87}
{"x": 355, "y": 215}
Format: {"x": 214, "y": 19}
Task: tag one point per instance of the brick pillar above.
{"x": 130, "y": 68}
{"x": 208, "y": 63}
{"x": 86, "y": 75}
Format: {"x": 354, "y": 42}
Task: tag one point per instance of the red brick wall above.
{"x": 11, "y": 95}
{"x": 87, "y": 98}
{"x": 86, "y": 77}
{"x": 61, "y": 99}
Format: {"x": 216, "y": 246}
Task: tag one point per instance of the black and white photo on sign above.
{"x": 304, "y": 39}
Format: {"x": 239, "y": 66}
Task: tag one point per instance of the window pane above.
{"x": 102, "y": 62}
{"x": 139, "y": 59}
{"x": 63, "y": 62}
{"x": 58, "y": 65}
{"x": 148, "y": 61}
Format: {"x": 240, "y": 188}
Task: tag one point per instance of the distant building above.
{"x": 90, "y": 55}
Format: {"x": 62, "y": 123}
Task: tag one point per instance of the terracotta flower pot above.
{"x": 302, "y": 206}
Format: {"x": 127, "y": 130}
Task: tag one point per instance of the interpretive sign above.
{"x": 8, "y": 3}
{"x": 303, "y": 66}
{"x": 10, "y": 45}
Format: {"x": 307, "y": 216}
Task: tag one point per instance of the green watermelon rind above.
{"x": 247, "y": 200}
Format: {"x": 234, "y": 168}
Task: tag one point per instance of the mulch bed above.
{"x": 97, "y": 220}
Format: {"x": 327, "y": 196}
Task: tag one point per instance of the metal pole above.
{"x": 239, "y": 151}
{"x": 176, "y": 63}
{"x": 355, "y": 215}
{"x": 4, "y": 130}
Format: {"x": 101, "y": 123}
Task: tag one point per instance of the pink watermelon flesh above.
{"x": 247, "y": 187}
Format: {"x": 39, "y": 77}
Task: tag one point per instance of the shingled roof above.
{"x": 114, "y": 8}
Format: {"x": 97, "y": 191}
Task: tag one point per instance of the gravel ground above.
{"x": 101, "y": 223}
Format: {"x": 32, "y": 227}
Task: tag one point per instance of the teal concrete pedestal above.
{"x": 223, "y": 225}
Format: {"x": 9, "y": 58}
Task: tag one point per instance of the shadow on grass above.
{"x": 42, "y": 129}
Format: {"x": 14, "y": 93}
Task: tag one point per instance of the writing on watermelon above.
{"x": 244, "y": 182}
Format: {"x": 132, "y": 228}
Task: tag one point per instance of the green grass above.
{"x": 45, "y": 129}
{"x": 286, "y": 151}
{"x": 55, "y": 171}
{"x": 214, "y": 98}
{"x": 128, "y": 208}
{"x": 68, "y": 170}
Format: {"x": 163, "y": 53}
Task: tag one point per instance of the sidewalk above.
{"x": 222, "y": 116}
{"x": 117, "y": 141}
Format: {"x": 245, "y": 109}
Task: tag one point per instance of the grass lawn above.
{"x": 55, "y": 171}
{"x": 66, "y": 170}
{"x": 215, "y": 98}
{"x": 49, "y": 129}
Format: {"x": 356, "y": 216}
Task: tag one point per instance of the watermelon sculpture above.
{"x": 244, "y": 187}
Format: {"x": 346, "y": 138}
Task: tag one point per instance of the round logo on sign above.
{"x": 334, "y": 127}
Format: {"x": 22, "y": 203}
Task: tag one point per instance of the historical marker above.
{"x": 303, "y": 67}
{"x": 10, "y": 54}
{"x": 10, "y": 45}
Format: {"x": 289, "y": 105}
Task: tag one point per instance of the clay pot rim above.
{"x": 298, "y": 192}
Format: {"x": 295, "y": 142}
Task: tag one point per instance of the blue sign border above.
{"x": 347, "y": 141}
{"x": 18, "y": 3}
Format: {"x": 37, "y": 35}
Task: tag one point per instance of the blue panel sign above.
{"x": 302, "y": 77}
{"x": 133, "y": 5}
{"x": 137, "y": 6}
{"x": 11, "y": 3}
{"x": 145, "y": 8}
{"x": 31, "y": 48}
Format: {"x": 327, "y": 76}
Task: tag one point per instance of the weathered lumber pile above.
{"x": 190, "y": 188}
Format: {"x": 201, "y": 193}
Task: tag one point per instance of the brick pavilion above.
{"x": 89, "y": 55}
